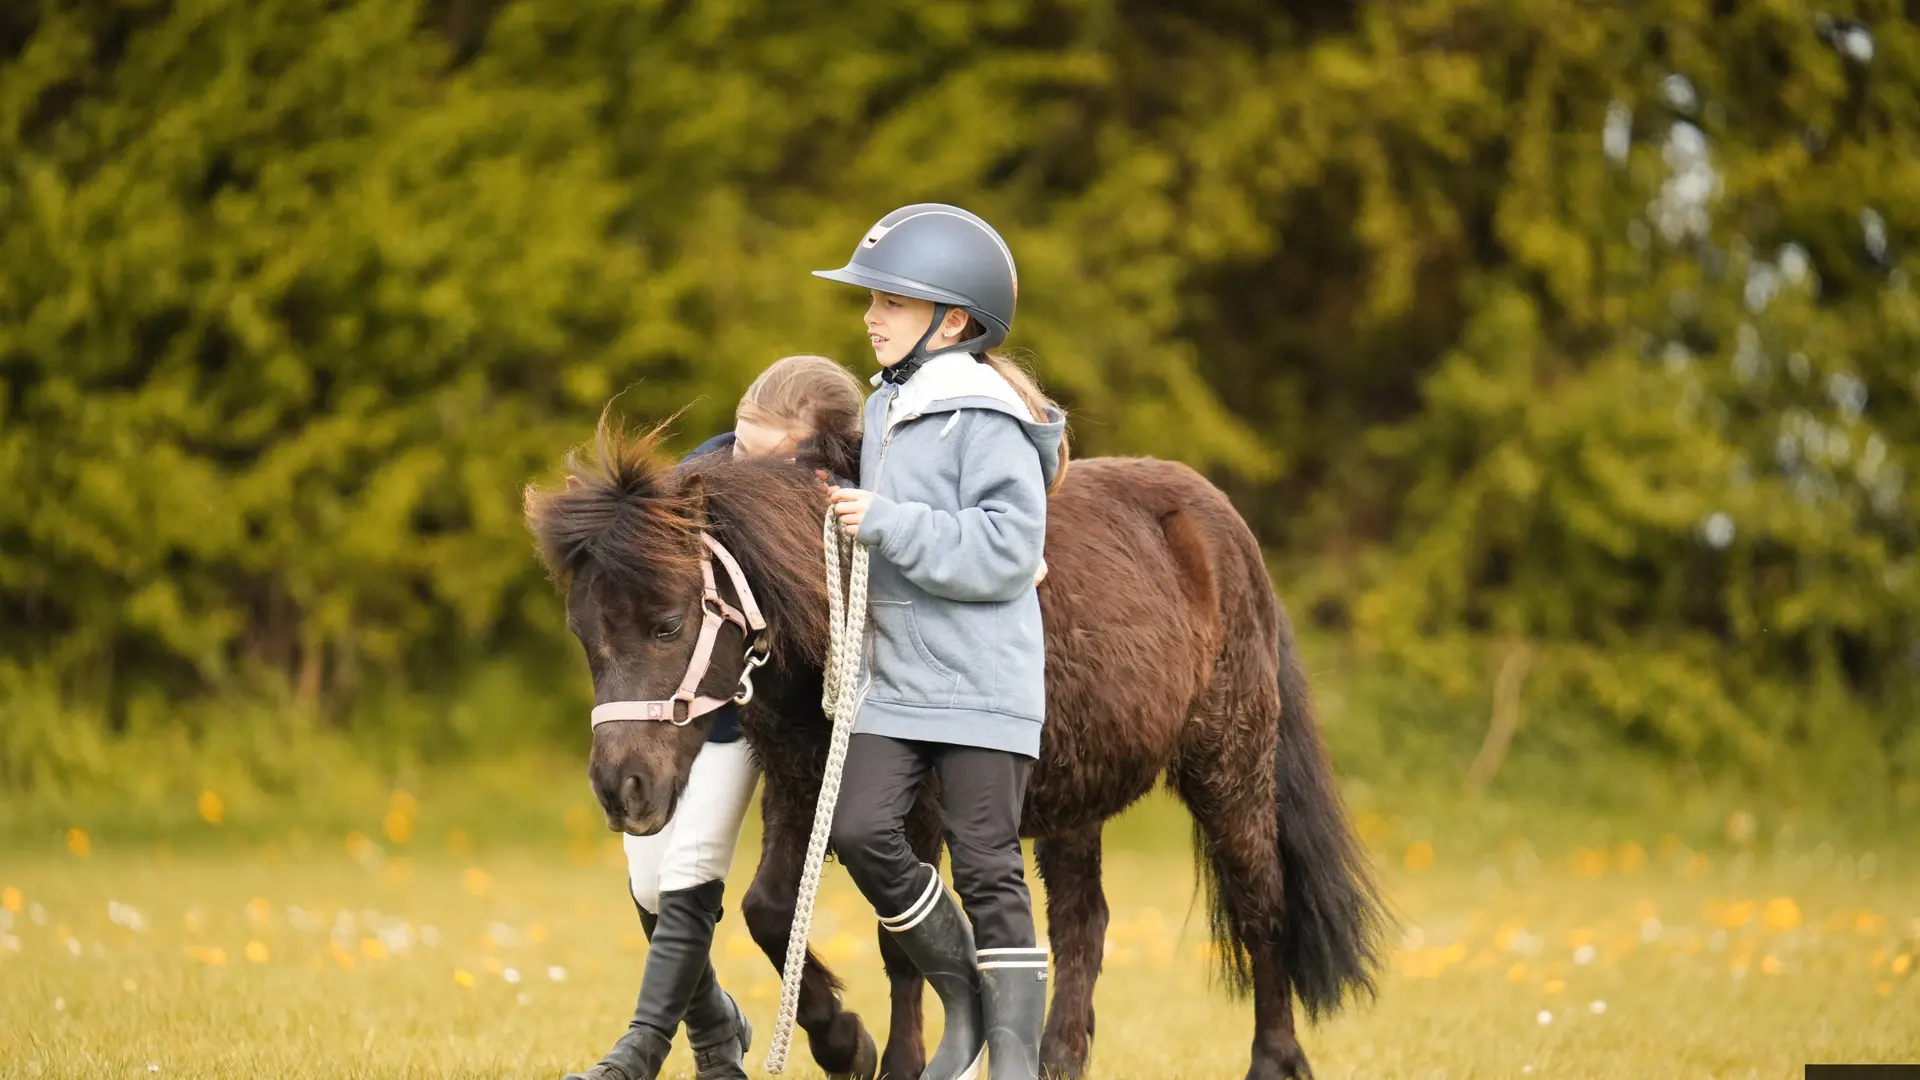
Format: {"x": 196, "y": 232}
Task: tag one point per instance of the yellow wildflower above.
{"x": 399, "y": 827}
{"x": 1590, "y": 862}
{"x": 1782, "y": 914}
{"x": 1632, "y": 857}
{"x": 212, "y": 957}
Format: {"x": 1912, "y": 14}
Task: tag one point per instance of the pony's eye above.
{"x": 668, "y": 629}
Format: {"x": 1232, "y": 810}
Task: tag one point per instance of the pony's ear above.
{"x": 693, "y": 494}
{"x": 574, "y": 483}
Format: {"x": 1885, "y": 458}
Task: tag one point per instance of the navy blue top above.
{"x": 726, "y": 719}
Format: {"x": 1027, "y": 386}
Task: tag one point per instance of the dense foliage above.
{"x": 1578, "y": 332}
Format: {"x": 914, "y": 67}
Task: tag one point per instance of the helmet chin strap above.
{"x": 918, "y": 356}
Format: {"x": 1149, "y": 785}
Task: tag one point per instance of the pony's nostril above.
{"x": 630, "y": 799}
{"x": 609, "y": 799}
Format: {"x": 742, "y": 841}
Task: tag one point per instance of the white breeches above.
{"x": 698, "y": 842}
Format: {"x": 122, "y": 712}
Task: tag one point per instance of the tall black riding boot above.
{"x": 718, "y": 1031}
{"x": 935, "y": 934}
{"x": 1013, "y": 993}
{"x": 679, "y": 983}
{"x": 716, "y": 1028}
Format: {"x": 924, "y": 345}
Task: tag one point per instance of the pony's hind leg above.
{"x": 1232, "y": 800}
{"x": 840, "y": 1043}
{"x": 1069, "y": 864}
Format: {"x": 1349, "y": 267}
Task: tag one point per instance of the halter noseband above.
{"x": 688, "y": 703}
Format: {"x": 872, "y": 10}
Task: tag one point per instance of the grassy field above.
{"x": 385, "y": 954}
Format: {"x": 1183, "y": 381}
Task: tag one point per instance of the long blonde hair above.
{"x": 1028, "y": 387}
{"x": 806, "y": 395}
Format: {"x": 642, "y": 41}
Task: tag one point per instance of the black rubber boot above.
{"x": 936, "y": 935}
{"x": 679, "y": 984}
{"x": 1013, "y": 996}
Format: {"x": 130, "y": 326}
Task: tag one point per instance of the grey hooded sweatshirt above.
{"x": 959, "y": 472}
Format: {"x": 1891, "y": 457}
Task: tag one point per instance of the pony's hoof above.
{"x": 901, "y": 1062}
{"x": 864, "y": 1063}
{"x": 1290, "y": 1064}
{"x": 1060, "y": 1059}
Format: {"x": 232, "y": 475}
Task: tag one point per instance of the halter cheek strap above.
{"x": 688, "y": 703}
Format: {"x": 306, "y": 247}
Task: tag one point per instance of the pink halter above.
{"x": 680, "y": 709}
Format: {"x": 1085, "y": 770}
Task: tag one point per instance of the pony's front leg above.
{"x": 840, "y": 1042}
{"x": 906, "y": 1055}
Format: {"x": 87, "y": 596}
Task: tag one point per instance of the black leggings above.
{"x": 981, "y": 792}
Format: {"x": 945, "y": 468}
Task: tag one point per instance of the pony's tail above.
{"x": 1334, "y": 919}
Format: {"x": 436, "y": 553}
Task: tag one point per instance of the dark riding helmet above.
{"x": 941, "y": 253}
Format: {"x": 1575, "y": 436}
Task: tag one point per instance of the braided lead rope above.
{"x": 834, "y": 544}
{"x": 846, "y": 623}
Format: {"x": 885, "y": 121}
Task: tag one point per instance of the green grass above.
{"x": 1709, "y": 964}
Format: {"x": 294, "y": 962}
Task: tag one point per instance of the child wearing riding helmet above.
{"x": 958, "y": 453}
{"x": 677, "y": 876}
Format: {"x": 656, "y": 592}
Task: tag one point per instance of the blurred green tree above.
{"x": 1576, "y": 327}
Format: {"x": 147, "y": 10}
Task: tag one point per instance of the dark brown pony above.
{"x": 1168, "y": 655}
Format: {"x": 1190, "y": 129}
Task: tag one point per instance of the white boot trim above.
{"x": 921, "y": 908}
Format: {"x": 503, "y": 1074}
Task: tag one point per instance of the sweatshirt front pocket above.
{"x": 904, "y": 669}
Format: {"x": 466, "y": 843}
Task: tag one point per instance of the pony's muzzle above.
{"x": 633, "y": 806}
